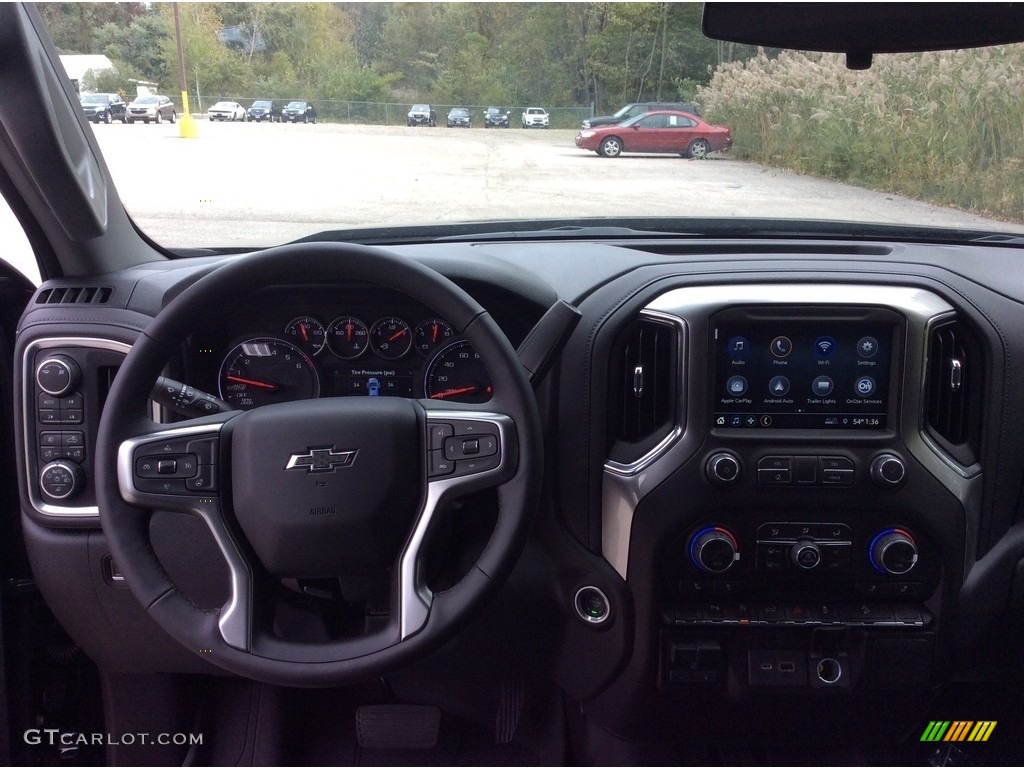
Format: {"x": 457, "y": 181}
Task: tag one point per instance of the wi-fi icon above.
{"x": 825, "y": 345}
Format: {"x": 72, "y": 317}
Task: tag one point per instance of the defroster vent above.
{"x": 82, "y": 294}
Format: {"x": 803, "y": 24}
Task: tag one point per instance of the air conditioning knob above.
{"x": 722, "y": 468}
{"x": 888, "y": 470}
{"x": 58, "y": 375}
{"x": 714, "y": 550}
{"x": 805, "y": 555}
{"x": 893, "y": 551}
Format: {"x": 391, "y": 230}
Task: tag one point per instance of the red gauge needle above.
{"x": 252, "y": 383}
{"x": 436, "y": 331}
{"x": 453, "y": 392}
{"x": 397, "y": 335}
{"x": 305, "y": 332}
{"x": 348, "y": 331}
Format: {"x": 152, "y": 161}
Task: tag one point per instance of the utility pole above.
{"x": 187, "y": 129}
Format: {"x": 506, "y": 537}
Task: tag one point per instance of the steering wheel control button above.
{"x": 438, "y": 434}
{"x": 162, "y": 466}
{"x": 592, "y": 605}
{"x": 58, "y": 375}
{"x": 160, "y": 486}
{"x": 722, "y": 468}
{"x": 888, "y": 471}
{"x": 205, "y": 450}
{"x": 61, "y": 479}
{"x": 204, "y": 480}
{"x": 459, "y": 447}
{"x": 439, "y": 465}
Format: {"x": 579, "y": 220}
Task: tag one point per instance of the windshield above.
{"x": 260, "y": 104}
{"x": 94, "y": 98}
{"x": 147, "y": 100}
{"x": 918, "y": 140}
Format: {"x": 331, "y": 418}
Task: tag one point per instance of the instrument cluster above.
{"x": 374, "y": 346}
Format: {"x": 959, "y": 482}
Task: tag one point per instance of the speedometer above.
{"x": 457, "y": 373}
{"x": 265, "y": 370}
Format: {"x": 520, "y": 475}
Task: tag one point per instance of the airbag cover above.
{"x": 327, "y": 487}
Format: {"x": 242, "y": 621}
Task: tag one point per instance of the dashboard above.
{"x": 763, "y": 485}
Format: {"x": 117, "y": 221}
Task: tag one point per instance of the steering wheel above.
{"x": 334, "y": 487}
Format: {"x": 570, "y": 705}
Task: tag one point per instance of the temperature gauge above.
{"x": 347, "y": 337}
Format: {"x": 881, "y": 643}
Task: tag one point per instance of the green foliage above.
{"x": 943, "y": 126}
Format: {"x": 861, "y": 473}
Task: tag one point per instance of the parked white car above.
{"x": 535, "y": 117}
{"x": 226, "y": 110}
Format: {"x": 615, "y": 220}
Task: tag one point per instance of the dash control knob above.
{"x": 893, "y": 551}
{"x": 57, "y": 375}
{"x": 888, "y": 470}
{"x": 714, "y": 550}
{"x": 806, "y": 555}
{"x": 722, "y": 468}
{"x": 61, "y": 480}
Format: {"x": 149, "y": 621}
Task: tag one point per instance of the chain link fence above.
{"x": 387, "y": 113}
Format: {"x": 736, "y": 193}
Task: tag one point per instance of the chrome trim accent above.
{"x": 633, "y": 467}
{"x": 234, "y": 621}
{"x": 624, "y": 487}
{"x": 414, "y": 597}
{"x": 28, "y": 410}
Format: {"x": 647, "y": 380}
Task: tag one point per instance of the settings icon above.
{"x": 867, "y": 346}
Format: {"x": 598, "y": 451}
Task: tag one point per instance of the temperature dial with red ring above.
{"x": 893, "y": 551}
{"x": 714, "y": 549}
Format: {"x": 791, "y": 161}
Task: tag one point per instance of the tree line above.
{"x": 548, "y": 54}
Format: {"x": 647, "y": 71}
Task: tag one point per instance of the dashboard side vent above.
{"x": 953, "y": 390}
{"x": 645, "y": 388}
{"x": 75, "y": 295}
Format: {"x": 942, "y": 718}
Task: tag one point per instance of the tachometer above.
{"x": 457, "y": 373}
{"x": 265, "y": 370}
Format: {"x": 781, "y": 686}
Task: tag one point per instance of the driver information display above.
{"x": 801, "y": 373}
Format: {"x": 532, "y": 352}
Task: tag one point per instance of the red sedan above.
{"x": 675, "y": 132}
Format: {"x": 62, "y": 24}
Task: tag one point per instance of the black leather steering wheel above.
{"x": 316, "y": 488}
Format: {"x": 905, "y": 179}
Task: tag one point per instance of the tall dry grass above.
{"x": 947, "y": 127}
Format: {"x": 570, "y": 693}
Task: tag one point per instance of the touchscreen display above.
{"x": 785, "y": 372}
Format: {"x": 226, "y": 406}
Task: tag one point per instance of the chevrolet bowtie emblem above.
{"x": 321, "y": 460}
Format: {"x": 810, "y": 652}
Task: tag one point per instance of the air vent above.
{"x": 953, "y": 390}
{"x": 645, "y": 388}
{"x": 74, "y": 295}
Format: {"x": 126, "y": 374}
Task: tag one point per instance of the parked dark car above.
{"x": 421, "y": 114}
{"x": 668, "y": 132}
{"x": 640, "y": 108}
{"x": 103, "y": 107}
{"x": 298, "y": 112}
{"x": 151, "y": 108}
{"x": 459, "y": 117}
{"x": 496, "y": 117}
{"x": 261, "y": 109}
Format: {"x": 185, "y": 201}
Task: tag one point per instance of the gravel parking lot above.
{"x": 241, "y": 184}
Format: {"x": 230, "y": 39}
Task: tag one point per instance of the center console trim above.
{"x": 624, "y": 487}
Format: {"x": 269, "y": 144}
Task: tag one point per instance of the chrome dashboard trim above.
{"x": 692, "y": 307}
